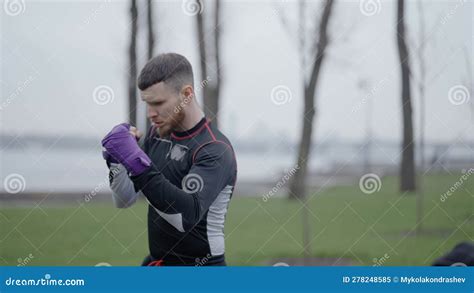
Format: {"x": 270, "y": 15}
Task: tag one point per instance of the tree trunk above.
{"x": 298, "y": 183}
{"x": 407, "y": 168}
{"x": 151, "y": 41}
{"x": 151, "y": 34}
{"x": 421, "y": 88}
{"x": 132, "y": 55}
{"x": 211, "y": 88}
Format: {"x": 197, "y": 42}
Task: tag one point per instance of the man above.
{"x": 186, "y": 168}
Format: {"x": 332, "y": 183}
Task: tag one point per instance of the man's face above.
{"x": 163, "y": 107}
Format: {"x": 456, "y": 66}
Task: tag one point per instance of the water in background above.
{"x": 47, "y": 169}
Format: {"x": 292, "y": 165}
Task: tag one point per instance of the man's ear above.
{"x": 188, "y": 92}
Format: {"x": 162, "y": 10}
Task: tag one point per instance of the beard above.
{"x": 171, "y": 124}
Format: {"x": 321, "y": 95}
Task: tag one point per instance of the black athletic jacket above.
{"x": 188, "y": 188}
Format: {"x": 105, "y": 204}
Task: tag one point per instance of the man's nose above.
{"x": 151, "y": 113}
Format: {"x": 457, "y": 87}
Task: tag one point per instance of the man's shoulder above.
{"x": 217, "y": 135}
{"x": 213, "y": 143}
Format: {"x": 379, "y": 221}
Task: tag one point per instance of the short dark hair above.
{"x": 171, "y": 68}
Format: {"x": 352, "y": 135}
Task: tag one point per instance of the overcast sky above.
{"x": 55, "y": 54}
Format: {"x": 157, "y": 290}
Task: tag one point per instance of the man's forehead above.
{"x": 153, "y": 92}
{"x": 147, "y": 96}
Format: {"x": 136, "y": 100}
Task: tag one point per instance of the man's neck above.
{"x": 191, "y": 119}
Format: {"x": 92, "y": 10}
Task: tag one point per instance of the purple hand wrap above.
{"x": 123, "y": 148}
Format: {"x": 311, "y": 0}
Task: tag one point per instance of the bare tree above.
{"x": 150, "y": 39}
{"x": 468, "y": 81}
{"x": 132, "y": 55}
{"x": 317, "y": 53}
{"x": 151, "y": 34}
{"x": 297, "y": 187}
{"x": 209, "y": 55}
{"x": 425, "y": 40}
{"x": 469, "y": 84}
{"x": 421, "y": 52}
{"x": 407, "y": 167}
{"x": 363, "y": 85}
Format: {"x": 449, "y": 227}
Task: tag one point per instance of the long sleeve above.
{"x": 123, "y": 190}
{"x": 124, "y": 194}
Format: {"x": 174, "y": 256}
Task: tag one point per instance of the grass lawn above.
{"x": 345, "y": 224}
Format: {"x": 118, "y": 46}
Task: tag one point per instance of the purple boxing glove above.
{"x": 120, "y": 144}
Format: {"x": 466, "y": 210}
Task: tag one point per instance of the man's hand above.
{"x": 135, "y": 132}
{"x": 121, "y": 144}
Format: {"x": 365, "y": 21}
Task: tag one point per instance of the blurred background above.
{"x": 352, "y": 123}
